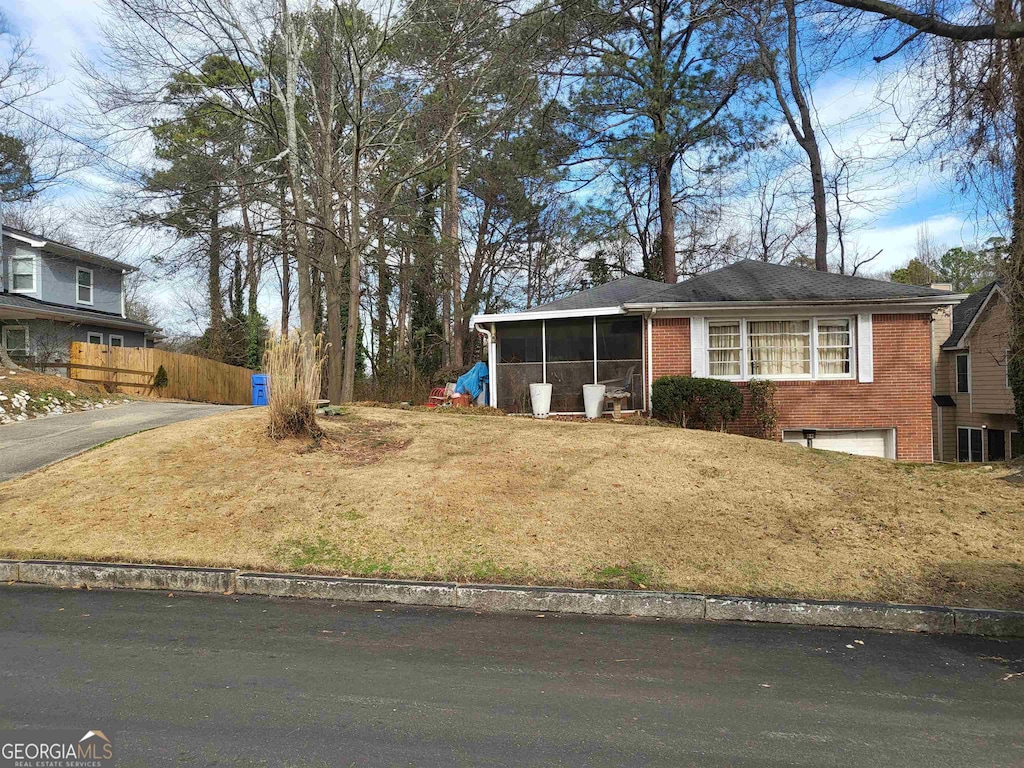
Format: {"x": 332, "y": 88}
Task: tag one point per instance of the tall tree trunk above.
{"x": 355, "y": 244}
{"x": 252, "y": 265}
{"x": 213, "y": 279}
{"x": 302, "y": 253}
{"x": 286, "y": 263}
{"x": 1014, "y": 271}
{"x": 384, "y": 286}
{"x": 453, "y": 251}
{"x": 667, "y": 216}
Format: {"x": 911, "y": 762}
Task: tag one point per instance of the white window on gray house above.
{"x": 94, "y": 338}
{"x": 23, "y": 273}
{"x": 116, "y": 341}
{"x": 15, "y": 340}
{"x": 968, "y": 444}
{"x": 963, "y": 373}
{"x": 84, "y": 282}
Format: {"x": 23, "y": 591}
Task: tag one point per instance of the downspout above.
{"x": 650, "y": 361}
{"x": 492, "y": 381}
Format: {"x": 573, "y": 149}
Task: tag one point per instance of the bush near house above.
{"x": 695, "y": 402}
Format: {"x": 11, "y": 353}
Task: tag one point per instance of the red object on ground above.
{"x": 438, "y": 396}
{"x": 461, "y": 401}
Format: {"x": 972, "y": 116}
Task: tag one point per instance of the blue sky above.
{"x": 914, "y": 194}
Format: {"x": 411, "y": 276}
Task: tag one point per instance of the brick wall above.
{"x": 671, "y": 340}
{"x": 899, "y": 397}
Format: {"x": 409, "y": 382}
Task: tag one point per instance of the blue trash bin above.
{"x": 259, "y": 388}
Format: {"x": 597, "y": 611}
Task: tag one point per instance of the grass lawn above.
{"x": 427, "y": 495}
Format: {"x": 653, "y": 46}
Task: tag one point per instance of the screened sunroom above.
{"x": 567, "y": 353}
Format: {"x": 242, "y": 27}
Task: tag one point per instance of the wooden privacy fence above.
{"x": 132, "y": 370}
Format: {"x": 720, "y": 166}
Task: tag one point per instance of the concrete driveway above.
{"x": 234, "y": 681}
{"x": 29, "y": 445}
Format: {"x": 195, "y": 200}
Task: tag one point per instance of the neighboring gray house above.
{"x": 52, "y": 294}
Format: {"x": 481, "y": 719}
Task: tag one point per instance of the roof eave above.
{"x": 923, "y": 301}
{"x": 70, "y": 251}
{"x": 510, "y": 317}
{"x": 29, "y": 313}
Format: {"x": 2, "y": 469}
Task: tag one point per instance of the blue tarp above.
{"x": 473, "y": 382}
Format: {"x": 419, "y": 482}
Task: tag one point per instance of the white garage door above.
{"x": 860, "y": 442}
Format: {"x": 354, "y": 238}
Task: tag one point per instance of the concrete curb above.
{"x": 357, "y": 590}
{"x": 58, "y": 573}
{"x": 510, "y": 598}
{"x": 821, "y": 613}
{"x": 600, "y": 602}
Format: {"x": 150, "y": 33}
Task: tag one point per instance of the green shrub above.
{"x": 690, "y": 402}
{"x": 763, "y": 408}
{"x": 160, "y": 379}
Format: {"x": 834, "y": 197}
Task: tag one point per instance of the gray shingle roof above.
{"x": 613, "y": 294}
{"x": 965, "y": 311}
{"x": 756, "y": 281}
{"x": 47, "y": 309}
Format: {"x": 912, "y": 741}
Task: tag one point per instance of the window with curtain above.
{"x": 834, "y": 347}
{"x": 779, "y": 347}
{"x": 724, "y": 349}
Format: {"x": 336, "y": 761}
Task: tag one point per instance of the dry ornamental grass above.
{"x": 417, "y": 495}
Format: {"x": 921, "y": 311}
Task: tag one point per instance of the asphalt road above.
{"x": 29, "y": 445}
{"x": 226, "y": 681}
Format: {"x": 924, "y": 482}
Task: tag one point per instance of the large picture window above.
{"x": 787, "y": 348}
{"x": 779, "y": 347}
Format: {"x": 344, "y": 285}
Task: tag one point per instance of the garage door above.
{"x": 860, "y": 442}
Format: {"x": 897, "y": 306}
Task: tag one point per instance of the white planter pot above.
{"x": 593, "y": 400}
{"x": 540, "y": 399}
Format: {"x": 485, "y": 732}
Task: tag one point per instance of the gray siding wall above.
{"x": 52, "y": 338}
{"x": 56, "y": 279}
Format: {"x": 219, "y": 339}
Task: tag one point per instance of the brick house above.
{"x": 852, "y": 356}
{"x": 973, "y": 416}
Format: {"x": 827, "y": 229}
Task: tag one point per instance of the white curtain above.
{"x": 724, "y": 349}
{"x": 779, "y": 347}
{"x": 833, "y": 347}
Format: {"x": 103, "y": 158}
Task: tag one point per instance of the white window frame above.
{"x": 24, "y": 255}
{"x": 981, "y": 439}
{"x": 111, "y": 337}
{"x": 79, "y": 287}
{"x": 851, "y": 348}
{"x": 89, "y": 336}
{"x": 814, "y": 375}
{"x": 956, "y": 364}
{"x": 28, "y": 340}
{"x": 742, "y": 348}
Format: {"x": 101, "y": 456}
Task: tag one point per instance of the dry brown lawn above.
{"x": 424, "y": 495}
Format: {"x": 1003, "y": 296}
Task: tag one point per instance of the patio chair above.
{"x": 620, "y": 383}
